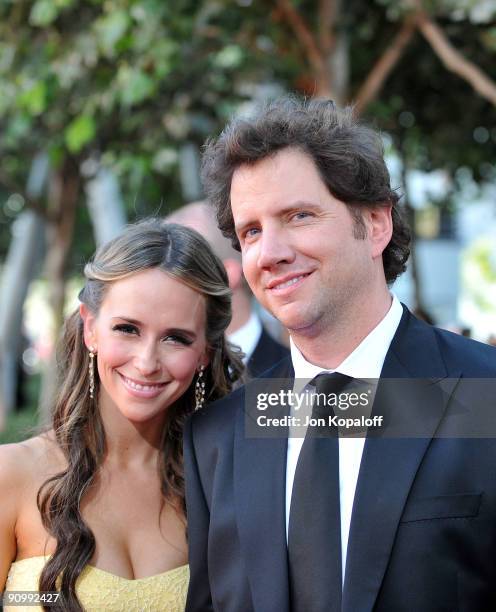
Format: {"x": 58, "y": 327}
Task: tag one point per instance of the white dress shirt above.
{"x": 365, "y": 361}
{"x": 247, "y": 336}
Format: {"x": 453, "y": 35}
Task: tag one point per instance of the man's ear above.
{"x": 380, "y": 228}
{"x": 234, "y": 273}
{"x": 89, "y": 325}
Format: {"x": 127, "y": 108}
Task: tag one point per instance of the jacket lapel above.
{"x": 267, "y": 353}
{"x": 389, "y": 465}
{"x": 259, "y": 490}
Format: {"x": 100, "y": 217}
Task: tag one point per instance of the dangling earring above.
{"x": 200, "y": 389}
{"x": 91, "y": 371}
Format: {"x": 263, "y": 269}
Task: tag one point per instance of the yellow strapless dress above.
{"x": 101, "y": 591}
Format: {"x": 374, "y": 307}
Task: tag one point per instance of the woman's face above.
{"x": 149, "y": 336}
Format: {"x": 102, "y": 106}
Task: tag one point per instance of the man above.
{"x": 389, "y": 523}
{"x": 245, "y": 330}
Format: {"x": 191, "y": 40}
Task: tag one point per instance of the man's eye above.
{"x": 125, "y": 328}
{"x": 301, "y": 215}
{"x": 251, "y": 232}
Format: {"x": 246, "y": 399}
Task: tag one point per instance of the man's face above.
{"x": 300, "y": 256}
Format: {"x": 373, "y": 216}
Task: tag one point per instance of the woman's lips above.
{"x": 142, "y": 389}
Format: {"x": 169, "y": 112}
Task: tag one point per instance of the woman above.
{"x": 95, "y": 507}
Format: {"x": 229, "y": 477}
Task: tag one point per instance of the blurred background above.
{"x": 104, "y": 106}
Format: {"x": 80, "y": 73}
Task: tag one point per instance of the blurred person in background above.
{"x": 94, "y": 508}
{"x": 246, "y": 330}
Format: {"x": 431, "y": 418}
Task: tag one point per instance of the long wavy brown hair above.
{"x": 185, "y": 255}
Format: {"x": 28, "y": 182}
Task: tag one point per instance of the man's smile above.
{"x": 285, "y": 284}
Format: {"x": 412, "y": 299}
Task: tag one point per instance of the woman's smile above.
{"x": 142, "y": 389}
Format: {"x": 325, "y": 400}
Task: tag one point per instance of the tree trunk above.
{"x": 189, "y": 171}
{"x": 20, "y": 267}
{"x": 105, "y": 205}
{"x": 25, "y": 251}
{"x": 333, "y": 41}
{"x": 63, "y": 198}
{"x": 414, "y": 267}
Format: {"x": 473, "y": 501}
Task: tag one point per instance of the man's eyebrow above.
{"x": 298, "y": 205}
{"x": 239, "y": 227}
{"x": 293, "y": 207}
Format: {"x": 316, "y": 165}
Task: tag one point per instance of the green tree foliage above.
{"x": 128, "y": 80}
{"x": 131, "y": 80}
{"x": 441, "y": 120}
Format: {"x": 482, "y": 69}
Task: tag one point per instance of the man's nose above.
{"x": 275, "y": 248}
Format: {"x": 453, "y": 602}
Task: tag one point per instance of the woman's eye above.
{"x": 125, "y": 328}
{"x": 174, "y": 339}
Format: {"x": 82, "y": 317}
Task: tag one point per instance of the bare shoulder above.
{"x": 24, "y": 467}
{"x": 23, "y": 462}
{"x": 14, "y": 463}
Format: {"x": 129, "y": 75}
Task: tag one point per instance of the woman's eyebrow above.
{"x": 168, "y": 330}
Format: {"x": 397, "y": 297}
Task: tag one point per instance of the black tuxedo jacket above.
{"x": 423, "y": 527}
{"x": 267, "y": 353}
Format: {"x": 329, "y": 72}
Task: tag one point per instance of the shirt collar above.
{"x": 367, "y": 358}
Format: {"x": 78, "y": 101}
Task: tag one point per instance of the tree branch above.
{"x": 327, "y": 18}
{"x": 384, "y": 65}
{"x": 308, "y": 42}
{"x": 455, "y": 61}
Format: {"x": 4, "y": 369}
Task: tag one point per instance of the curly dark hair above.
{"x": 348, "y": 155}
